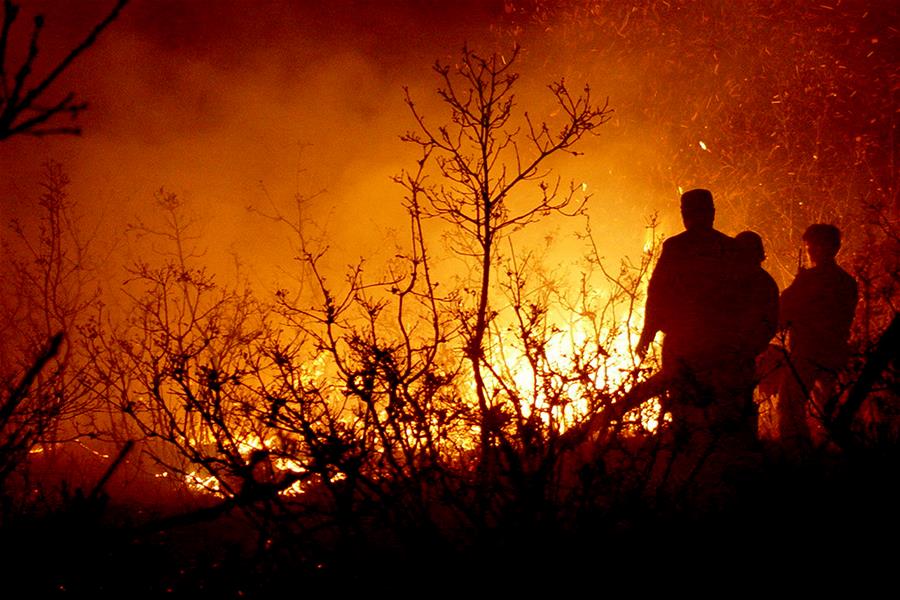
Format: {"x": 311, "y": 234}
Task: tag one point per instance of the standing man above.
{"x": 694, "y": 298}
{"x": 816, "y": 310}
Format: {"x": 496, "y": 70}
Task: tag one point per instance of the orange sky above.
{"x": 249, "y": 101}
{"x": 224, "y": 106}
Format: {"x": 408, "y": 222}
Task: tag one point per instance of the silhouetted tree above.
{"x": 182, "y": 370}
{"x": 418, "y": 414}
{"x": 46, "y": 311}
{"x": 483, "y": 156}
{"x": 22, "y": 107}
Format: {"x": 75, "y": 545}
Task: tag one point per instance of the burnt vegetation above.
{"x": 356, "y": 425}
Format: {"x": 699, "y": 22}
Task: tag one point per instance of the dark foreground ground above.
{"x": 812, "y": 526}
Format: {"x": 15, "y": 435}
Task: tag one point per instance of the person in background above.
{"x": 816, "y": 311}
{"x": 757, "y": 319}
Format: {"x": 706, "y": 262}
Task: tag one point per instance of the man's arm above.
{"x": 657, "y": 291}
{"x": 647, "y": 336}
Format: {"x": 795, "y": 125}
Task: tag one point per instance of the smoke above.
{"x": 242, "y": 104}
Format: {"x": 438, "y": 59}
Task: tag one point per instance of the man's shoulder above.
{"x": 722, "y": 236}
{"x": 824, "y": 279}
{"x": 832, "y": 273}
{"x": 847, "y": 281}
{"x": 843, "y": 274}
{"x": 672, "y": 244}
{"x": 675, "y": 240}
{"x": 724, "y": 240}
{"x": 698, "y": 238}
{"x": 804, "y": 279}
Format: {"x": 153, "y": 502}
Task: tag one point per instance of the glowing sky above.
{"x": 238, "y": 103}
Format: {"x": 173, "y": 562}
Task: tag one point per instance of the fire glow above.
{"x": 276, "y": 276}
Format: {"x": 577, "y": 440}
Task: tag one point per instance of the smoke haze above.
{"x": 244, "y": 103}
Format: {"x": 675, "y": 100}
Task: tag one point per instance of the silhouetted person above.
{"x": 816, "y": 310}
{"x": 693, "y": 298}
{"x": 756, "y": 320}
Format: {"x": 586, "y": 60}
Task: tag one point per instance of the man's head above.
{"x": 697, "y": 209}
{"x": 750, "y": 248}
{"x": 822, "y": 242}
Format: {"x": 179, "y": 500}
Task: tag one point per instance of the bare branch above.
{"x": 16, "y": 102}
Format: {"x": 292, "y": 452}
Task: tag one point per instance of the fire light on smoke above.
{"x": 793, "y": 147}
